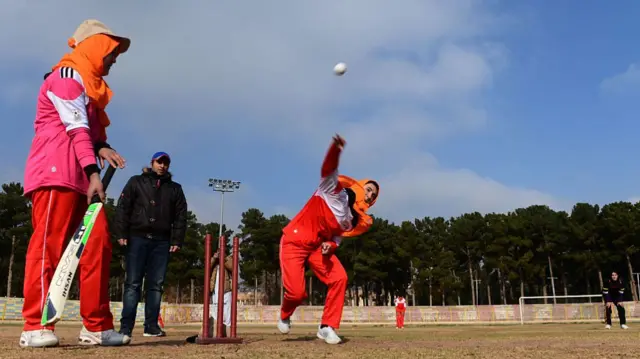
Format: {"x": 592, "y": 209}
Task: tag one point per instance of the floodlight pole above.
{"x": 221, "y": 214}
{"x": 222, "y": 186}
{"x": 553, "y": 288}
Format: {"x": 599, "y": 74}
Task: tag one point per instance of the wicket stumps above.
{"x": 206, "y": 337}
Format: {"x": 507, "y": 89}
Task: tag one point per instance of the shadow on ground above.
{"x": 306, "y": 338}
{"x": 172, "y": 342}
{"x": 309, "y": 338}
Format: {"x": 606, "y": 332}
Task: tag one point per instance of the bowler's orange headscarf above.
{"x": 87, "y": 58}
{"x": 360, "y": 206}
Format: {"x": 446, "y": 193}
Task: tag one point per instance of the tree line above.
{"x": 477, "y": 259}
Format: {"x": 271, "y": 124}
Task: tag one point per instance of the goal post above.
{"x": 594, "y": 304}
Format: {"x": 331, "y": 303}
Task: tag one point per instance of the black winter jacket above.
{"x": 152, "y": 206}
{"x": 613, "y": 291}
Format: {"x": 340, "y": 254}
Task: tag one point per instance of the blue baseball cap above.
{"x": 159, "y": 155}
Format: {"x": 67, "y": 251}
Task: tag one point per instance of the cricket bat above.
{"x": 66, "y": 270}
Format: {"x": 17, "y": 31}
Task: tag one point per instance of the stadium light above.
{"x": 223, "y": 186}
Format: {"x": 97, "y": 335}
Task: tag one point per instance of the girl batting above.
{"x": 61, "y": 176}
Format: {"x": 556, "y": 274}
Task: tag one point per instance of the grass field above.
{"x": 463, "y": 341}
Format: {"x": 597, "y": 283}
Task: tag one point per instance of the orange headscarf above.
{"x": 87, "y": 58}
{"x": 360, "y": 206}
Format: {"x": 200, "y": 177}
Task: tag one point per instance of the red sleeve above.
{"x": 331, "y": 161}
{"x": 329, "y": 182}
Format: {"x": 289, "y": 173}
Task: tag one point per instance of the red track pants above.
{"x": 327, "y": 268}
{"x": 56, "y": 213}
{"x": 400, "y": 318}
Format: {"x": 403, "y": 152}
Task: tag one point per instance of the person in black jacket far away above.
{"x": 151, "y": 221}
{"x": 613, "y": 294}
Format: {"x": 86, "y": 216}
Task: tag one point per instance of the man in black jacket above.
{"x": 151, "y": 221}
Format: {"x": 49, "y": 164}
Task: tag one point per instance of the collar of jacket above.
{"x": 164, "y": 178}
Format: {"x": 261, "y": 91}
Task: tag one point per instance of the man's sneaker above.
{"x": 40, "y": 338}
{"x": 126, "y": 332}
{"x": 284, "y": 326}
{"x": 607, "y": 326}
{"x": 329, "y": 335}
{"x": 107, "y": 338}
{"x": 154, "y": 332}
{"x": 624, "y": 326}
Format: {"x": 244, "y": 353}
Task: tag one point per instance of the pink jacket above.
{"x": 67, "y": 131}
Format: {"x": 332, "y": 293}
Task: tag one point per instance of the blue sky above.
{"x": 453, "y": 106}
{"x": 554, "y": 127}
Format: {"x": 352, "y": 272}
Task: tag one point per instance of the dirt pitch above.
{"x": 451, "y": 342}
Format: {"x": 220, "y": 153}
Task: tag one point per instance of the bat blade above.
{"x": 66, "y": 270}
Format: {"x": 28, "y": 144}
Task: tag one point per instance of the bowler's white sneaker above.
{"x": 107, "y": 338}
{"x": 329, "y": 335}
{"x": 624, "y": 326}
{"x": 607, "y": 326}
{"x": 284, "y": 326}
{"x": 40, "y": 338}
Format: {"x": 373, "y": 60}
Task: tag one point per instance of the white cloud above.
{"x": 206, "y": 205}
{"x": 424, "y": 188}
{"x": 262, "y": 71}
{"x": 623, "y": 82}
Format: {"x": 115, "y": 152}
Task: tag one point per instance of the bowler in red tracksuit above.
{"x": 313, "y": 235}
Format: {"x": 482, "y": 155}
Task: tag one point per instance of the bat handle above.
{"x": 105, "y": 182}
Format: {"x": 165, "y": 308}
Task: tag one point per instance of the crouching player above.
{"x": 613, "y": 294}
{"x": 314, "y": 234}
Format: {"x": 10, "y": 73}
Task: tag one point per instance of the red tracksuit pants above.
{"x": 400, "y": 318}
{"x": 326, "y": 268}
{"x": 56, "y": 214}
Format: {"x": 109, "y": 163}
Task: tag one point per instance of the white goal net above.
{"x": 561, "y": 308}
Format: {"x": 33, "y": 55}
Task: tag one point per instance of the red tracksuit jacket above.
{"x": 327, "y": 214}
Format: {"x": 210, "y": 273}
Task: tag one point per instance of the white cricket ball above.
{"x": 340, "y": 68}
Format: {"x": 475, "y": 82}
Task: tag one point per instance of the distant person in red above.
{"x": 401, "y": 307}
{"x": 313, "y": 235}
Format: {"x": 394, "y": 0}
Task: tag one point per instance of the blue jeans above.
{"x": 145, "y": 258}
